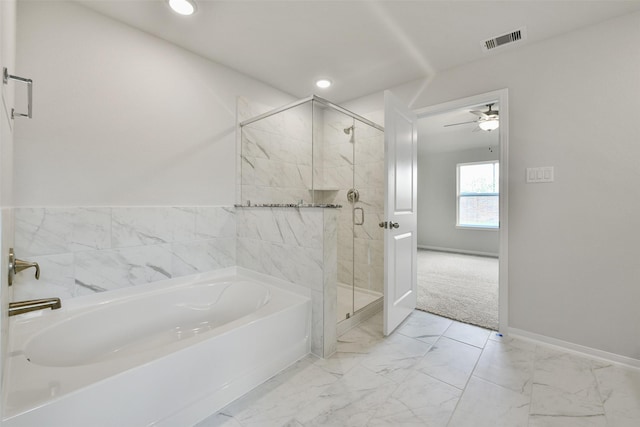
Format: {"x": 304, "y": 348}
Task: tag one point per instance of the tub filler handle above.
{"x": 17, "y": 265}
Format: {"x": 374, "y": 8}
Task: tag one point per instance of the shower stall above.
{"x": 315, "y": 153}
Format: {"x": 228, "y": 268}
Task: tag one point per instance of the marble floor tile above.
{"x": 620, "y": 391}
{"x": 450, "y": 361}
{"x": 433, "y": 372}
{"x": 340, "y": 362}
{"x": 561, "y": 421}
{"x": 281, "y": 398}
{"x": 360, "y": 340}
{"x": 420, "y": 400}
{"x": 485, "y": 404}
{"x": 394, "y": 413}
{"x": 395, "y": 358}
{"x": 468, "y": 334}
{"x": 424, "y": 326}
{"x": 564, "y": 384}
{"x": 350, "y": 401}
{"x": 508, "y": 363}
{"x": 219, "y": 420}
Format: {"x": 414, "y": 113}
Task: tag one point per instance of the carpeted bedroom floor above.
{"x": 460, "y": 287}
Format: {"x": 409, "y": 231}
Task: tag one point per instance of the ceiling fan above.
{"x": 487, "y": 120}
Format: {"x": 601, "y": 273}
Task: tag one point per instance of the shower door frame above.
{"x": 309, "y": 99}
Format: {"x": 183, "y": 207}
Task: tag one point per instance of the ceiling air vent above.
{"x": 504, "y": 39}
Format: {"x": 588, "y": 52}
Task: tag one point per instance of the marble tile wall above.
{"x": 276, "y": 157}
{"x": 299, "y": 246}
{"x": 82, "y": 250}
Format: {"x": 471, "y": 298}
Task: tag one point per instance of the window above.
{"x": 478, "y": 195}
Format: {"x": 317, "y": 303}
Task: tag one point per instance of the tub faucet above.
{"x": 17, "y": 265}
{"x": 20, "y": 307}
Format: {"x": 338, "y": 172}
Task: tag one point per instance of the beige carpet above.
{"x": 460, "y": 287}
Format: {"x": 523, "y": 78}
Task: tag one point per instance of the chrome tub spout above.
{"x": 20, "y": 307}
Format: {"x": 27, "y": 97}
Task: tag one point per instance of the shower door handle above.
{"x": 354, "y": 216}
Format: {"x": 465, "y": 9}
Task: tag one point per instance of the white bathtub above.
{"x": 163, "y": 354}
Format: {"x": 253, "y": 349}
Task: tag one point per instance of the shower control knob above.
{"x": 394, "y": 225}
{"x": 353, "y": 195}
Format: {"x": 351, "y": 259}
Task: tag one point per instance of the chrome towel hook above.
{"x": 5, "y": 79}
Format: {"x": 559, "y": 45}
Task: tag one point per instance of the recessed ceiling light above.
{"x": 323, "y": 83}
{"x": 183, "y": 7}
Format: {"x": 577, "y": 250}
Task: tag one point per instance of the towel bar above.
{"x": 5, "y": 79}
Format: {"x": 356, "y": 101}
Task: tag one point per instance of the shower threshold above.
{"x": 361, "y": 299}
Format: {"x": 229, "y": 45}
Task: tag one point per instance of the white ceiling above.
{"x": 363, "y": 46}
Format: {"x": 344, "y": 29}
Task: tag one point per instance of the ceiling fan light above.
{"x": 489, "y": 125}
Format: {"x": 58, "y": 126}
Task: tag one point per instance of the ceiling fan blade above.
{"x": 462, "y": 123}
{"x": 478, "y": 113}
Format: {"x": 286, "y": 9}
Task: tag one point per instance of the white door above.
{"x": 400, "y": 222}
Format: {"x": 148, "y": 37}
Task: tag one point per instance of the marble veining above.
{"x": 49, "y": 231}
{"x": 137, "y": 226}
{"x": 396, "y": 381}
{"x": 107, "y": 270}
{"x": 564, "y": 385}
{"x": 620, "y": 391}
{"x": 83, "y": 250}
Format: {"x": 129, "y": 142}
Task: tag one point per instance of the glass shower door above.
{"x": 348, "y": 170}
{"x": 368, "y": 237}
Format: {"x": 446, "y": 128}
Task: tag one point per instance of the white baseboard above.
{"x": 458, "y": 251}
{"x": 575, "y": 348}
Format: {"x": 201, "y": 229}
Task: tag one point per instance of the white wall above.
{"x": 573, "y": 246}
{"x": 437, "y": 203}
{"x": 122, "y": 117}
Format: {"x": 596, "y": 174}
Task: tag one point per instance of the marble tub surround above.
{"x": 298, "y": 246}
{"x": 406, "y": 380}
{"x": 83, "y": 250}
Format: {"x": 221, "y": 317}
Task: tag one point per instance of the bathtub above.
{"x": 163, "y": 354}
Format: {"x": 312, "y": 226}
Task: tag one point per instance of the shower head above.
{"x": 351, "y": 130}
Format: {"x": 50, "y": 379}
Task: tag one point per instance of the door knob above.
{"x": 394, "y": 225}
{"x": 383, "y": 224}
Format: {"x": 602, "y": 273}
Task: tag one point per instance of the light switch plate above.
{"x": 540, "y": 174}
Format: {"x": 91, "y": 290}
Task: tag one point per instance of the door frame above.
{"x": 502, "y": 97}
